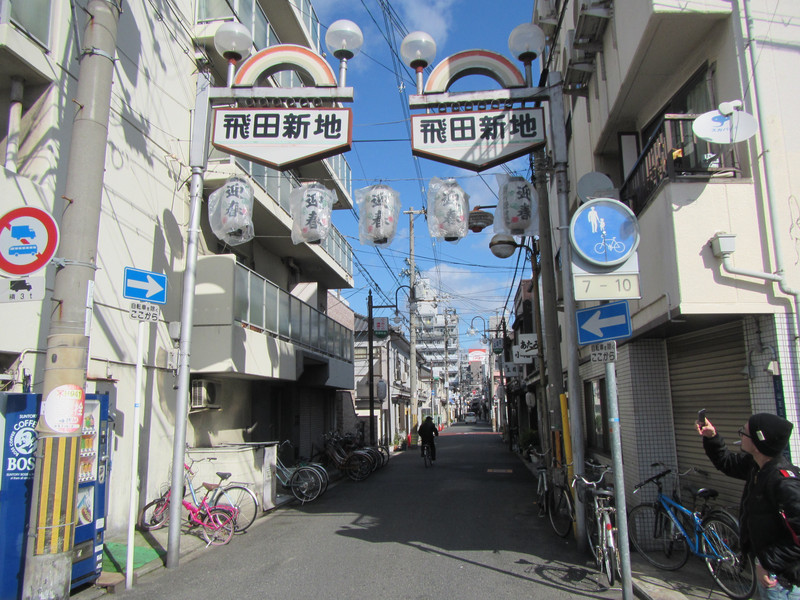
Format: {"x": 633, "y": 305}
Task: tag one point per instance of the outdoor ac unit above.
{"x": 204, "y": 394}
{"x": 545, "y": 16}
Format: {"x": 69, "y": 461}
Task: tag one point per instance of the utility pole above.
{"x": 412, "y": 318}
{"x": 48, "y": 558}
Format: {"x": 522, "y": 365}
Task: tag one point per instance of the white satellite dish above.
{"x": 729, "y": 128}
{"x": 595, "y": 185}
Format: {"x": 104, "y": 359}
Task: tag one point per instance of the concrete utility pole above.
{"x": 48, "y": 559}
{"x": 412, "y": 319}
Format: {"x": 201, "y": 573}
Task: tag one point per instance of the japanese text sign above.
{"x": 282, "y": 137}
{"x": 477, "y": 140}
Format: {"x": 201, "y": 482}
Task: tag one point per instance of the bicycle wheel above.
{"x": 242, "y": 502}
{"x": 306, "y": 484}
{"x": 656, "y": 538}
{"x": 323, "y": 473}
{"x": 384, "y": 450}
{"x": 542, "y": 496}
{"x": 426, "y": 456}
{"x": 561, "y": 513}
{"x": 154, "y": 515}
{"x": 218, "y": 526}
{"x": 734, "y": 572}
{"x": 609, "y": 551}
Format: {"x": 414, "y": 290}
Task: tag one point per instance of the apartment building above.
{"x": 715, "y": 326}
{"x": 267, "y": 360}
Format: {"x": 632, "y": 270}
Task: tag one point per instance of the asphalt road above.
{"x": 466, "y": 528}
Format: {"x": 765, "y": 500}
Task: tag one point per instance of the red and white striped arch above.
{"x": 281, "y": 58}
{"x": 473, "y": 62}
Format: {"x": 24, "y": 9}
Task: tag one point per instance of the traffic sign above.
{"x": 21, "y": 290}
{"x": 145, "y": 285}
{"x": 28, "y": 240}
{"x": 604, "y": 352}
{"x": 604, "y": 232}
{"x": 143, "y": 311}
{"x": 606, "y": 322}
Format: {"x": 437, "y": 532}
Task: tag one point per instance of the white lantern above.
{"x": 311, "y": 206}
{"x": 230, "y": 212}
{"x": 379, "y": 211}
{"x": 448, "y": 210}
{"x": 517, "y": 207}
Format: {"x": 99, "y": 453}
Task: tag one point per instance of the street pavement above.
{"x": 465, "y": 528}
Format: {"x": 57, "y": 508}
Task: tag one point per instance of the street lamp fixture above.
{"x": 526, "y": 43}
{"x": 344, "y": 40}
{"x": 473, "y": 331}
{"x": 234, "y": 42}
{"x": 503, "y": 245}
{"x": 418, "y": 50}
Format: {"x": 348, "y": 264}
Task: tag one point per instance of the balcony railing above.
{"x": 263, "y": 306}
{"x": 310, "y": 20}
{"x": 673, "y": 154}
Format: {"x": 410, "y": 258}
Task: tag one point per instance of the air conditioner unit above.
{"x": 204, "y": 394}
{"x": 545, "y": 16}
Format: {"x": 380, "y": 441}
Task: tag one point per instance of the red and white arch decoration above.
{"x": 283, "y": 57}
{"x": 474, "y": 62}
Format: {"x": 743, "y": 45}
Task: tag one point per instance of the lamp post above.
{"x": 418, "y": 50}
{"x": 233, "y": 42}
{"x": 370, "y": 350}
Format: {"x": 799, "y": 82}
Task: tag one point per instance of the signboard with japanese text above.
{"x": 604, "y": 352}
{"x": 476, "y": 355}
{"x": 23, "y": 289}
{"x": 528, "y": 344}
{"x": 282, "y": 138}
{"x": 381, "y": 326}
{"x": 144, "y": 311}
{"x": 520, "y": 356}
{"x": 477, "y": 140}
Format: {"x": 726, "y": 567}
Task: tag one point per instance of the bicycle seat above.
{"x": 707, "y": 493}
{"x": 223, "y": 476}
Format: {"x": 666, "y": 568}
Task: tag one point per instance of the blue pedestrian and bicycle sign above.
{"x": 605, "y": 322}
{"x": 145, "y": 286}
{"x": 604, "y": 232}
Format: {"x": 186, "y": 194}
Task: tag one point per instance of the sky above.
{"x": 465, "y": 275}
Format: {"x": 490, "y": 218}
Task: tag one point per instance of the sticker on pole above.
{"x": 62, "y": 410}
{"x": 28, "y": 240}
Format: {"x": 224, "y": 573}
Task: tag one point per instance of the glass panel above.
{"x": 257, "y": 300}
{"x": 28, "y": 14}
{"x": 260, "y": 30}
{"x": 241, "y": 297}
{"x": 259, "y": 174}
{"x": 306, "y": 324}
{"x": 284, "y": 314}
{"x": 271, "y": 307}
{"x": 211, "y": 10}
{"x": 295, "y": 316}
{"x": 246, "y": 13}
{"x": 273, "y": 184}
{"x": 313, "y": 327}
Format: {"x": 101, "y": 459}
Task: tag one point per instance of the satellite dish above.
{"x": 595, "y": 185}
{"x": 719, "y": 128}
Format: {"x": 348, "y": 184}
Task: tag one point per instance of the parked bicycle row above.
{"x": 665, "y": 532}
{"x": 356, "y": 461}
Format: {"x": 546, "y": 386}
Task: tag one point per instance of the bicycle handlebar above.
{"x": 652, "y": 479}
{"x": 589, "y": 482}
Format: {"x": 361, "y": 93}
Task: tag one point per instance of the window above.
{"x": 594, "y": 398}
{"x": 33, "y": 17}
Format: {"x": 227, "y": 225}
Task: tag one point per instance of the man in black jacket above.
{"x": 769, "y": 511}
{"x": 427, "y": 431}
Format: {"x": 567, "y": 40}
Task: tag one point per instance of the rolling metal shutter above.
{"x": 705, "y": 371}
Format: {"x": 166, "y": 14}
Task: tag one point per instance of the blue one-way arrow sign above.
{"x": 145, "y": 285}
{"x": 606, "y": 322}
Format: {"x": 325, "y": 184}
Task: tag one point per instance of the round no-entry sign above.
{"x": 28, "y": 240}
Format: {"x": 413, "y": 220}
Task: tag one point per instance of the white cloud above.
{"x": 431, "y": 16}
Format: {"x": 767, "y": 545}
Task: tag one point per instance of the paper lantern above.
{"x": 448, "y": 210}
{"x": 311, "y": 206}
{"x": 517, "y": 207}
{"x": 379, "y": 210}
{"x": 230, "y": 212}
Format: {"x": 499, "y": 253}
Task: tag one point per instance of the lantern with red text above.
{"x": 379, "y": 210}
{"x": 230, "y": 212}
{"x": 311, "y": 206}
{"x": 517, "y": 210}
{"x": 448, "y": 210}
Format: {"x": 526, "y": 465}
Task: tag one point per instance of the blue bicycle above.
{"x": 665, "y": 532}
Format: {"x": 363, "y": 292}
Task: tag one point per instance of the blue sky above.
{"x": 465, "y": 273}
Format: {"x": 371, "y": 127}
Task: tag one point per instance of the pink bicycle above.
{"x": 218, "y": 523}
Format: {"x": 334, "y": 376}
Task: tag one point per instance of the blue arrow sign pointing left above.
{"x": 145, "y": 286}
{"x": 605, "y": 322}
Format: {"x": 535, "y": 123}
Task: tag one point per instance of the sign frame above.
{"x": 615, "y": 317}
{"x": 44, "y": 223}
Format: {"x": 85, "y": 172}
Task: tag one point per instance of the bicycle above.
{"x": 665, "y": 533}
{"x": 426, "y": 455}
{"x": 554, "y": 499}
{"x": 600, "y": 522}
{"x": 305, "y": 483}
{"x": 235, "y": 497}
{"x": 218, "y": 523}
{"x": 613, "y": 246}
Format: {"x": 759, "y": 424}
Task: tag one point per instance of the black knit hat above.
{"x": 770, "y": 433}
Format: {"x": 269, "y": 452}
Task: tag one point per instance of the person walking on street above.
{"x": 769, "y": 511}
{"x": 427, "y": 431}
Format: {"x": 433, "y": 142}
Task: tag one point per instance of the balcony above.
{"x": 25, "y": 42}
{"x": 247, "y": 325}
{"x": 296, "y": 20}
{"x": 273, "y": 222}
{"x": 674, "y": 154}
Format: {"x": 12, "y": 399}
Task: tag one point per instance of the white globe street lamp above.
{"x": 526, "y": 42}
{"x": 418, "y": 51}
{"x": 234, "y": 42}
{"x": 503, "y": 245}
{"x": 343, "y": 39}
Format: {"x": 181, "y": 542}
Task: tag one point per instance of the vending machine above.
{"x": 18, "y": 416}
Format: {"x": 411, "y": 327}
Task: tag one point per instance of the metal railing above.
{"x": 263, "y": 306}
{"x": 673, "y": 154}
